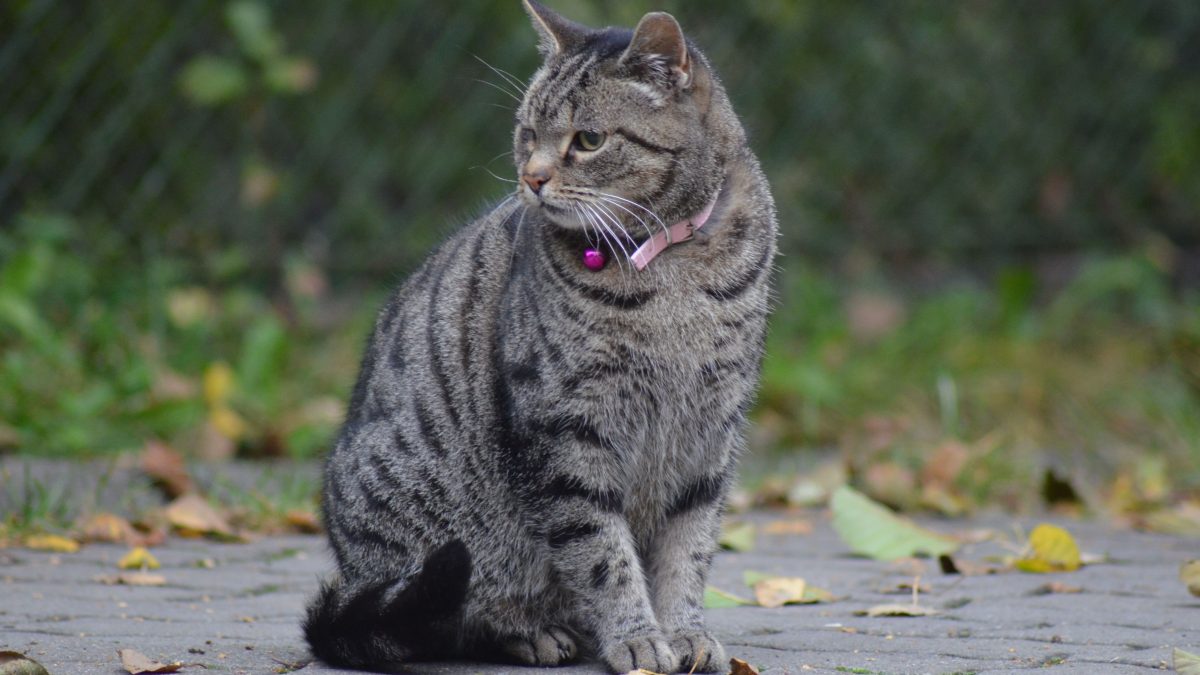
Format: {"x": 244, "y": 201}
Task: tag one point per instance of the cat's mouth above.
{"x": 600, "y": 219}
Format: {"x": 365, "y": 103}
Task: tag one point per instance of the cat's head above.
{"x": 621, "y": 128}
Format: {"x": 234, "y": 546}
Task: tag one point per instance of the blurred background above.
{"x": 990, "y": 287}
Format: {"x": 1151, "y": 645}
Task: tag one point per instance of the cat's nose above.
{"x": 536, "y": 179}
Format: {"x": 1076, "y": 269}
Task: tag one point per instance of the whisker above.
{"x": 504, "y": 74}
{"x": 632, "y": 203}
{"x": 493, "y": 175}
{"x": 641, "y": 220}
{"x": 497, "y": 87}
{"x": 603, "y": 204}
{"x": 615, "y": 237}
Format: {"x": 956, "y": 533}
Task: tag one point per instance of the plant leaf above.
{"x": 899, "y": 610}
{"x": 138, "y": 558}
{"x": 191, "y": 513}
{"x": 738, "y": 537}
{"x": 1054, "y": 550}
{"x": 715, "y": 598}
{"x": 136, "y": 662}
{"x": 740, "y": 667}
{"x": 51, "y": 542}
{"x": 1186, "y": 663}
{"x": 1189, "y": 574}
{"x": 15, "y": 663}
{"x": 212, "y": 80}
{"x": 872, "y": 530}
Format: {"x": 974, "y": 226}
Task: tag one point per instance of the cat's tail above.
{"x": 386, "y": 624}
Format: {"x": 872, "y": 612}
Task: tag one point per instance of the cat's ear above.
{"x": 556, "y": 33}
{"x": 659, "y": 50}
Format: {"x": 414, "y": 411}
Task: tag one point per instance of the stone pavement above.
{"x": 235, "y": 608}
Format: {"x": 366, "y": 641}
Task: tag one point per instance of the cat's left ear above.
{"x": 556, "y": 33}
{"x": 659, "y": 49}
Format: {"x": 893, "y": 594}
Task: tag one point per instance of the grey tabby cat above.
{"x": 536, "y": 454}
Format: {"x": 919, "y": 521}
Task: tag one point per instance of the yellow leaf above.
{"x": 1190, "y": 575}
{"x": 1053, "y": 550}
{"x": 779, "y": 591}
{"x": 138, "y": 558}
{"x": 51, "y": 542}
{"x": 899, "y": 610}
{"x": 737, "y": 537}
{"x": 1186, "y": 663}
{"x": 107, "y": 527}
{"x": 218, "y": 383}
{"x": 227, "y": 422}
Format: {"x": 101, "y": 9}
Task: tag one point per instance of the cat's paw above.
{"x": 551, "y": 646}
{"x": 648, "y": 651}
{"x": 699, "y": 649}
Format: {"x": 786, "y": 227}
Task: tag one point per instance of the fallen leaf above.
{"x": 1182, "y": 520}
{"x": 51, "y": 542}
{"x": 15, "y": 663}
{"x": 138, "y": 558}
{"x": 967, "y": 568}
{"x": 737, "y": 537}
{"x": 1189, "y": 574}
{"x": 776, "y": 591}
{"x": 1053, "y": 587}
{"x": 1053, "y": 550}
{"x": 303, "y": 521}
{"x": 226, "y": 421}
{"x": 166, "y": 467}
{"x": 107, "y": 527}
{"x": 191, "y": 514}
{"x": 715, "y": 598}
{"x": 1186, "y": 663}
{"x": 132, "y": 579}
{"x": 740, "y": 667}
{"x": 872, "y": 530}
{"x": 898, "y": 610}
{"x": 136, "y": 662}
{"x": 788, "y": 527}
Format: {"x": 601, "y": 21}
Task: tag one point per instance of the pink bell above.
{"x": 594, "y": 259}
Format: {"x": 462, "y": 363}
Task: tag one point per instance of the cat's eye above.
{"x": 589, "y": 140}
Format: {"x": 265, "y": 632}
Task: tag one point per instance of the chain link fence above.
{"x": 357, "y": 133}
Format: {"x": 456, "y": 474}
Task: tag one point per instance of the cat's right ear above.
{"x": 556, "y": 33}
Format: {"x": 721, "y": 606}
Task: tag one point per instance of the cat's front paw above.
{"x": 700, "y": 651}
{"x": 648, "y": 651}
{"x": 552, "y": 646}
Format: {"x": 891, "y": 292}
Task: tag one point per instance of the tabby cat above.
{"x": 546, "y": 424}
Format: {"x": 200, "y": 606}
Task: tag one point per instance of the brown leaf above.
{"x": 740, "y": 667}
{"x": 779, "y": 591}
{"x": 132, "y": 579}
{"x": 968, "y": 568}
{"x": 786, "y": 527}
{"x": 303, "y": 521}
{"x": 191, "y": 514}
{"x": 166, "y": 467}
{"x": 109, "y": 528}
{"x": 136, "y": 662}
{"x": 945, "y": 464}
{"x": 15, "y": 663}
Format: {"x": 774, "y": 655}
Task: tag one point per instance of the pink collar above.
{"x": 679, "y": 232}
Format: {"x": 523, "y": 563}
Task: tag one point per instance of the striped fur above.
{"x": 536, "y": 455}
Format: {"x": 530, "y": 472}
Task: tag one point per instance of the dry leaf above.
{"x": 136, "y": 662}
{"x": 1053, "y": 550}
{"x": 191, "y": 514}
{"x": 786, "y": 527}
{"x": 138, "y": 558}
{"x": 1055, "y": 587}
{"x": 715, "y": 598}
{"x": 132, "y": 579}
{"x": 740, "y": 667}
{"x": 107, "y": 527}
{"x": 1189, "y": 574}
{"x": 15, "y": 663}
{"x": 303, "y": 521}
{"x": 779, "y": 591}
{"x": 166, "y": 467}
{"x": 898, "y": 610}
{"x": 967, "y": 568}
{"x": 51, "y": 542}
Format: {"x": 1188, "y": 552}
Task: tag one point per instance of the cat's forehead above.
{"x": 583, "y": 88}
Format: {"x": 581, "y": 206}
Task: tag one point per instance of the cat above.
{"x": 546, "y": 424}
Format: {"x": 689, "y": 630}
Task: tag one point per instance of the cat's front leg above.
{"x": 579, "y": 512}
{"x": 678, "y": 565}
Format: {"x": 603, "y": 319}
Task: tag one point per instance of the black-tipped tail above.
{"x": 369, "y": 630}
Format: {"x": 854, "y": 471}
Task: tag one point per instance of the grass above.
{"x": 1097, "y": 380}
